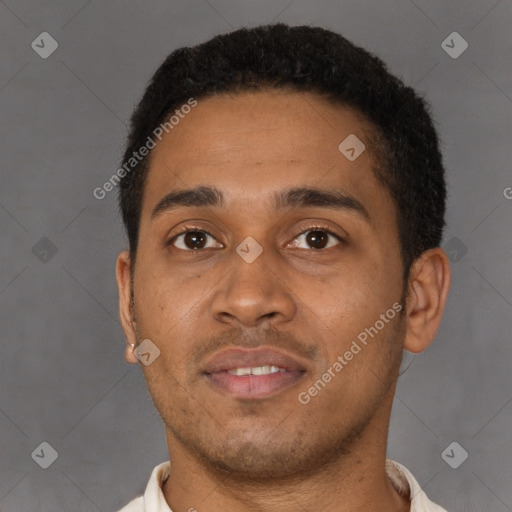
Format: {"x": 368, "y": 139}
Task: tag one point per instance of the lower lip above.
{"x": 254, "y": 386}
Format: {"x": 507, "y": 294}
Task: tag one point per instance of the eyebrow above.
{"x": 299, "y": 197}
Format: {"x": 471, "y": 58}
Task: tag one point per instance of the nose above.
{"x": 254, "y": 293}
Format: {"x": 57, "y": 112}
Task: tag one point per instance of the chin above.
{"x": 266, "y": 456}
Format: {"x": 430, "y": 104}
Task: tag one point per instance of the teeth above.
{"x": 256, "y": 370}
{"x": 240, "y": 371}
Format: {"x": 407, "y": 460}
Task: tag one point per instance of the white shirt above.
{"x": 153, "y": 499}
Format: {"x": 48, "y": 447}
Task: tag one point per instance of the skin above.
{"x": 275, "y": 454}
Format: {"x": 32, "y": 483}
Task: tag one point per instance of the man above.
{"x": 284, "y": 201}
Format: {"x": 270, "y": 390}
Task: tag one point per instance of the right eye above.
{"x": 193, "y": 239}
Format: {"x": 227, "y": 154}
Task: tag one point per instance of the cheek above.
{"x": 350, "y": 304}
{"x": 160, "y": 303}
{"x": 345, "y": 298}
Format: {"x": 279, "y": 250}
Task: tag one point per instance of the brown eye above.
{"x": 192, "y": 240}
{"x": 317, "y": 239}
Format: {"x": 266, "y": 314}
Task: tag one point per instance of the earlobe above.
{"x": 129, "y": 354}
{"x": 124, "y": 285}
{"x": 429, "y": 283}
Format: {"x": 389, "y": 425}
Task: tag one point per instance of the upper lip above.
{"x": 249, "y": 358}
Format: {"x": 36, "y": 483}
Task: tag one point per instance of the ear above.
{"x": 428, "y": 286}
{"x": 124, "y": 285}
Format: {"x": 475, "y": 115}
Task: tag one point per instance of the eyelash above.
{"x": 188, "y": 229}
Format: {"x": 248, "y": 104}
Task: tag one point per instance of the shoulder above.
{"x": 153, "y": 498}
{"x": 405, "y": 483}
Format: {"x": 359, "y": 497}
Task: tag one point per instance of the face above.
{"x": 258, "y": 273}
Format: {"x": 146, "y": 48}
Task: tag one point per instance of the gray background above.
{"x": 63, "y": 379}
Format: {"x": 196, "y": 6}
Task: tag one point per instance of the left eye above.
{"x": 318, "y": 239}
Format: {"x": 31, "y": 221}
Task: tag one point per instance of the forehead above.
{"x": 254, "y": 143}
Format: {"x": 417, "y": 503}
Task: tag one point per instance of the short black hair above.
{"x": 304, "y": 59}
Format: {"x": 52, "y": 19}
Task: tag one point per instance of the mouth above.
{"x": 252, "y": 374}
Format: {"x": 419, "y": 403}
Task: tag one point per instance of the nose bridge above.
{"x": 253, "y": 291}
{"x": 251, "y": 271}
